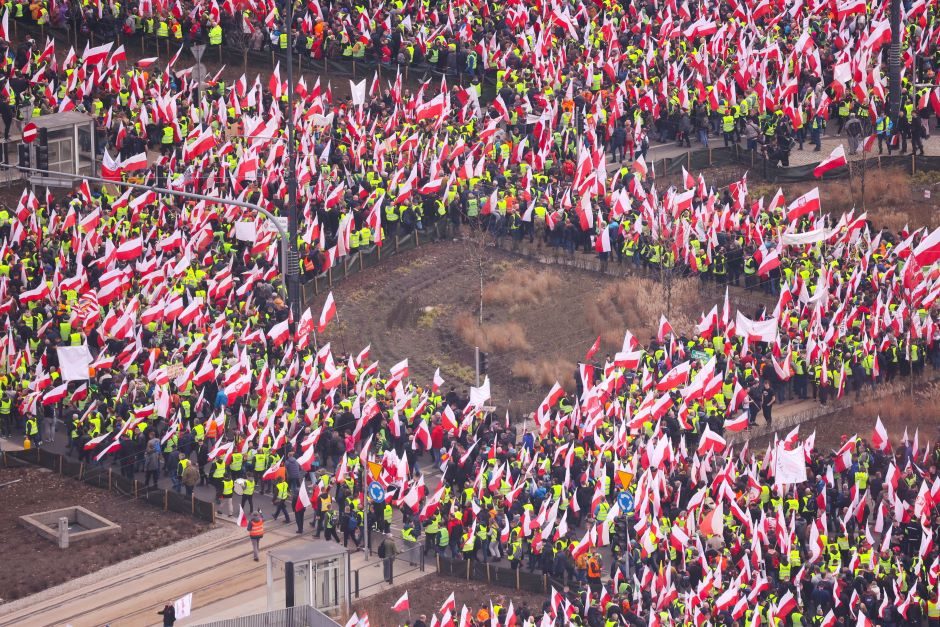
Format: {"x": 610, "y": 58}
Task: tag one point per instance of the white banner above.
{"x": 763, "y": 331}
{"x": 801, "y": 239}
{"x": 789, "y": 466}
{"x": 320, "y": 121}
{"x": 246, "y": 231}
{"x": 479, "y": 396}
{"x": 74, "y": 362}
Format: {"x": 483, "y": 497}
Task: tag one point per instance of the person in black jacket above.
{"x": 169, "y": 615}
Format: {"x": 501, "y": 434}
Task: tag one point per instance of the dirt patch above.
{"x": 427, "y": 595}
{"x": 891, "y": 196}
{"x": 499, "y": 337}
{"x": 40, "y": 564}
{"x": 539, "y": 319}
{"x": 910, "y": 408}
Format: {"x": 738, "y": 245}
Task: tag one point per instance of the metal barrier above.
{"x": 413, "y": 558}
{"x": 516, "y": 578}
{"x": 372, "y": 256}
{"x": 300, "y": 616}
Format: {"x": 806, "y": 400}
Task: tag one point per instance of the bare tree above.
{"x": 238, "y": 37}
{"x": 478, "y": 241}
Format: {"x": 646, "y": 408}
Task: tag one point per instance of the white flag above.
{"x": 358, "y": 91}
{"x": 184, "y": 606}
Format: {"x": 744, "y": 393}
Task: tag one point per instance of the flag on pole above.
{"x": 834, "y": 161}
{"x": 401, "y": 604}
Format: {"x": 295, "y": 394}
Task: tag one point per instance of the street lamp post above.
{"x": 282, "y": 233}
{"x": 894, "y": 64}
{"x": 292, "y": 275}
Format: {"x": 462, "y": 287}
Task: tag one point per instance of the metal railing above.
{"x": 300, "y": 616}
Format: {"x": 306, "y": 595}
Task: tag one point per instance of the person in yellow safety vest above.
{"x": 167, "y": 139}
{"x": 385, "y": 524}
{"x": 235, "y": 466}
{"x": 32, "y": 430}
{"x": 228, "y": 489}
{"x": 281, "y": 498}
{"x": 215, "y": 35}
{"x": 6, "y": 415}
{"x": 218, "y": 474}
{"x": 933, "y": 609}
{"x": 443, "y": 540}
{"x": 727, "y": 127}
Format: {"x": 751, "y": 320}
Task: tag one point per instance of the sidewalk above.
{"x": 216, "y": 567}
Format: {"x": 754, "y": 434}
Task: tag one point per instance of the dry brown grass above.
{"x": 544, "y": 372}
{"x": 497, "y": 337}
{"x": 522, "y": 287}
{"x": 899, "y": 410}
{"x": 893, "y": 198}
{"x": 637, "y": 303}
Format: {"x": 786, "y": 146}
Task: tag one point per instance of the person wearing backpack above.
{"x": 350, "y": 524}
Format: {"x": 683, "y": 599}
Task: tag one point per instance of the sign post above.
{"x": 30, "y": 132}
{"x": 626, "y": 502}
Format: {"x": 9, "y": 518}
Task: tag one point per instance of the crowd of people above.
{"x": 200, "y": 371}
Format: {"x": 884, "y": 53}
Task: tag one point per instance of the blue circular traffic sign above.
{"x": 376, "y": 492}
{"x": 625, "y": 500}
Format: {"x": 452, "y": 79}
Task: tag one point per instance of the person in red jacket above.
{"x": 437, "y": 439}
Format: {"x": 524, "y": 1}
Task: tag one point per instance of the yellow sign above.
{"x": 625, "y": 478}
{"x": 375, "y": 469}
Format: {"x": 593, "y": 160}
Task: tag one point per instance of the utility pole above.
{"x": 293, "y": 258}
{"x": 894, "y": 64}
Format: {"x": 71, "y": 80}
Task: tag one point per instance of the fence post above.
{"x": 193, "y": 504}
{"x": 60, "y": 464}
{"x": 166, "y": 499}
{"x": 468, "y": 569}
{"x": 81, "y": 470}
{"x": 135, "y": 488}
{"x": 109, "y": 479}
{"x": 518, "y": 583}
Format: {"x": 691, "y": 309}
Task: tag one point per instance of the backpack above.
{"x": 382, "y": 550}
{"x": 352, "y": 523}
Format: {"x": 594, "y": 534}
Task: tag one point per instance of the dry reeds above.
{"x": 637, "y": 303}
{"x": 544, "y": 372}
{"x": 498, "y": 337}
{"x": 522, "y": 287}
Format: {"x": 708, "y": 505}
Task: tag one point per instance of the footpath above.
{"x": 216, "y": 567}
